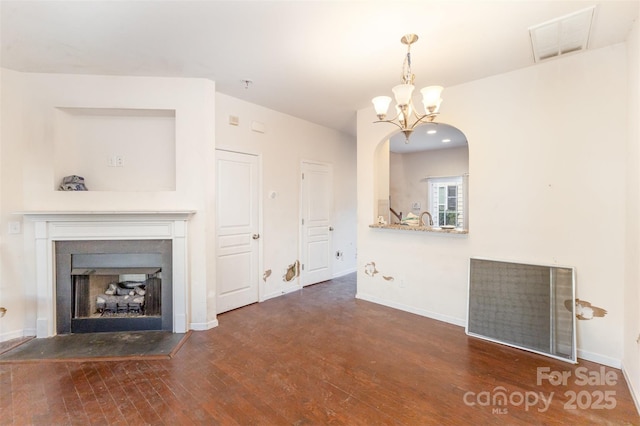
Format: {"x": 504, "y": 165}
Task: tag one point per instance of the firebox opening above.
{"x": 113, "y": 286}
{"x": 100, "y": 295}
{"x": 116, "y": 285}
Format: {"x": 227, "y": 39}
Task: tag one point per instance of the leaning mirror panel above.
{"x": 424, "y": 183}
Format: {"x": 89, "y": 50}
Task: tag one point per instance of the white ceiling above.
{"x": 317, "y": 60}
{"x": 428, "y": 136}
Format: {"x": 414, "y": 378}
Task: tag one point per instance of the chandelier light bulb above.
{"x": 381, "y": 105}
{"x": 402, "y": 93}
{"x": 431, "y": 98}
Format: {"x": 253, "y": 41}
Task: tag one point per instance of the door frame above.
{"x": 261, "y": 284}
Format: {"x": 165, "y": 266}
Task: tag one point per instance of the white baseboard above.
{"x": 413, "y": 310}
{"x": 202, "y": 326}
{"x": 600, "y": 359}
{"x": 297, "y": 287}
{"x": 635, "y": 393}
{"x": 343, "y": 273}
{"x": 15, "y": 334}
{"x": 280, "y": 293}
{"x": 588, "y": 356}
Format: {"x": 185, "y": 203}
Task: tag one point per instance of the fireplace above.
{"x": 113, "y": 285}
{"x": 117, "y": 229}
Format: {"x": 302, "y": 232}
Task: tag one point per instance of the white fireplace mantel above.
{"x": 106, "y": 225}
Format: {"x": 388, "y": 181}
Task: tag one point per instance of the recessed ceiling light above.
{"x": 432, "y": 132}
{"x": 446, "y": 140}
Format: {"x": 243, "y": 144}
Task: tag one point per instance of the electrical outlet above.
{"x": 115, "y": 161}
{"x": 416, "y": 205}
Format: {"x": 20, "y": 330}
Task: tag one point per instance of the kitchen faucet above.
{"x": 422, "y": 218}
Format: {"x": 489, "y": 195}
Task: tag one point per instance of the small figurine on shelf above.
{"x": 72, "y": 183}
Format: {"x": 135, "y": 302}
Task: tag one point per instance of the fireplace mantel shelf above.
{"x": 120, "y": 214}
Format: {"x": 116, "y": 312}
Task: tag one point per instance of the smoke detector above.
{"x": 563, "y": 35}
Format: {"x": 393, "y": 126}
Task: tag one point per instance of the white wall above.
{"x": 631, "y": 360}
{"x": 116, "y": 149}
{"x": 547, "y": 178}
{"x": 32, "y": 130}
{"x": 286, "y": 142}
{"x": 31, "y": 102}
{"x": 11, "y": 196}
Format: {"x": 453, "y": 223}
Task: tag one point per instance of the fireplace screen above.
{"x": 113, "y": 285}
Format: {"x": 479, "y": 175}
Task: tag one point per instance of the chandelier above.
{"x": 402, "y": 92}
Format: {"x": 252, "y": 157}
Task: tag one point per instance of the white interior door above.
{"x": 316, "y": 200}
{"x": 237, "y": 230}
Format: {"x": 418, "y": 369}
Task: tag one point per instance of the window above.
{"x": 447, "y": 201}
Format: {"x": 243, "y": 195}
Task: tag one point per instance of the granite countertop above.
{"x": 420, "y": 228}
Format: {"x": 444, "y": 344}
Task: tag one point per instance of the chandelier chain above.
{"x": 407, "y": 75}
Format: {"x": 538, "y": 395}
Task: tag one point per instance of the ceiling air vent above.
{"x": 566, "y": 34}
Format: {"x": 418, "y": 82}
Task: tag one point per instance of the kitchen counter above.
{"x": 420, "y": 229}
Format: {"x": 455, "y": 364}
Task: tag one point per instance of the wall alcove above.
{"x": 116, "y": 149}
{"x": 429, "y": 173}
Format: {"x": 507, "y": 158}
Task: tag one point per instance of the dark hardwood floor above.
{"x": 315, "y": 357}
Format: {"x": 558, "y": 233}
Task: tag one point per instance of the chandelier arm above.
{"x": 390, "y": 121}
{"x": 422, "y": 117}
{"x": 419, "y": 120}
{"x": 418, "y": 116}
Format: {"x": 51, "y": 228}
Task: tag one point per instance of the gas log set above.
{"x": 126, "y": 297}
{"x": 130, "y": 298}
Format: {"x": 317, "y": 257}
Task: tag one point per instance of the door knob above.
{"x": 331, "y": 228}
{"x": 255, "y": 236}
